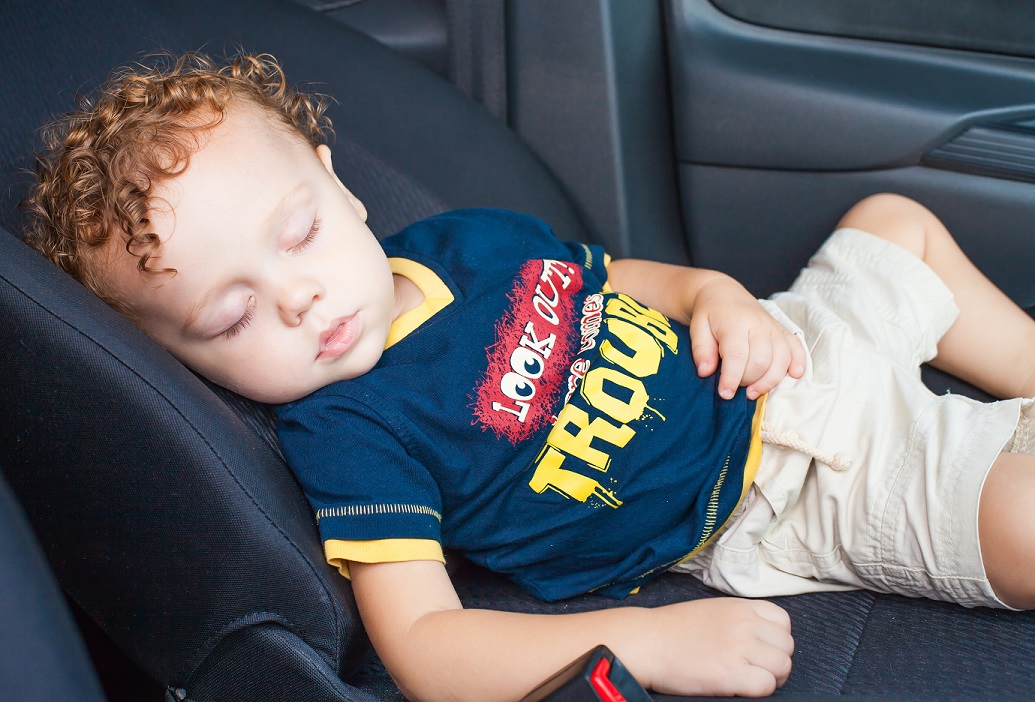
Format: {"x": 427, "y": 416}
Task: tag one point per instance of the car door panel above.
{"x": 761, "y": 225}
{"x": 999, "y": 26}
{"x": 778, "y": 132}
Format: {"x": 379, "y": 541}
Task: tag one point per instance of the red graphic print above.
{"x": 536, "y": 339}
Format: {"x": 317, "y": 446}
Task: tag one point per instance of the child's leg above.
{"x": 1005, "y": 528}
{"x": 992, "y": 343}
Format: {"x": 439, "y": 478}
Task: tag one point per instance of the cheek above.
{"x": 260, "y": 380}
{"x": 232, "y": 364}
{"x": 362, "y": 253}
{"x": 271, "y": 368}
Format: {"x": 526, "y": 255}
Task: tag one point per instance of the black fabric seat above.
{"x": 41, "y": 654}
{"x": 166, "y": 512}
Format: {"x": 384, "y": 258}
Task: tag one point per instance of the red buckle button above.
{"x": 602, "y": 684}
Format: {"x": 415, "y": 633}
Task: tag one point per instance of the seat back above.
{"x": 164, "y": 516}
{"x": 41, "y": 654}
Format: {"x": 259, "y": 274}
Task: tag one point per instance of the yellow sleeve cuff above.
{"x": 339, "y": 552}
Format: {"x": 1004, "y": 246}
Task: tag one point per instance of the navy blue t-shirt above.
{"x": 548, "y": 428}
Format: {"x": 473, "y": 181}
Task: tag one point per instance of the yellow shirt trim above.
{"x": 339, "y": 552}
{"x": 754, "y": 457}
{"x": 436, "y": 297}
{"x": 607, "y": 262}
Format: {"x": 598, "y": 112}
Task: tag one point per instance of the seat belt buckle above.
{"x": 596, "y": 676}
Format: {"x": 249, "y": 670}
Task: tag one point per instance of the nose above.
{"x": 297, "y": 297}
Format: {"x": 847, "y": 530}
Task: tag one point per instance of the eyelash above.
{"x": 246, "y": 318}
{"x": 243, "y": 322}
{"x": 313, "y": 231}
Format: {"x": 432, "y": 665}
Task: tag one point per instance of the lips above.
{"x": 338, "y": 338}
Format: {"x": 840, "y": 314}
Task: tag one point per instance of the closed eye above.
{"x": 313, "y": 231}
{"x": 243, "y": 322}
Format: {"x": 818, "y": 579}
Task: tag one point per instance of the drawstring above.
{"x": 789, "y": 439}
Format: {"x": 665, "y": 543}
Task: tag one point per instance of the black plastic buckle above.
{"x": 595, "y": 676}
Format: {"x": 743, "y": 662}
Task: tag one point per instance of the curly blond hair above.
{"x": 101, "y": 163}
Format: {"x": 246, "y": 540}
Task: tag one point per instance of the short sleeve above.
{"x": 373, "y": 502}
{"x": 594, "y": 261}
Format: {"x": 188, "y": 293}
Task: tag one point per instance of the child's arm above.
{"x": 725, "y": 322}
{"x": 435, "y": 649}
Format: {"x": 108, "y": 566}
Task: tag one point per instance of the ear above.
{"x": 324, "y": 154}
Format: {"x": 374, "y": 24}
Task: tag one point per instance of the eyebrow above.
{"x": 268, "y": 223}
{"x": 193, "y": 314}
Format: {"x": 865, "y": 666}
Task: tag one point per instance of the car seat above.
{"x": 41, "y": 654}
{"x": 163, "y": 504}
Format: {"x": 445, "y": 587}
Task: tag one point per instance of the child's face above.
{"x": 280, "y": 286}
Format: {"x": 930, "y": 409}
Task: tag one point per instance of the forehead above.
{"x": 242, "y": 168}
{"x": 244, "y": 158}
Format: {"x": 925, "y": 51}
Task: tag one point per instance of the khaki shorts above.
{"x": 868, "y": 479}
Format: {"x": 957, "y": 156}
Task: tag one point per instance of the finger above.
{"x": 774, "y": 649}
{"x": 762, "y": 348}
{"x": 777, "y": 637}
{"x": 797, "y": 366}
{"x": 773, "y": 612}
{"x": 703, "y": 346}
{"x": 754, "y": 681}
{"x": 736, "y": 677}
{"x": 734, "y": 354}
{"x": 774, "y": 373}
{"x": 772, "y": 660}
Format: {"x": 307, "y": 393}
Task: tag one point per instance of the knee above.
{"x": 1011, "y": 576}
{"x": 896, "y": 218}
{"x": 1015, "y": 589}
{"x": 1007, "y": 542}
{"x": 1015, "y": 584}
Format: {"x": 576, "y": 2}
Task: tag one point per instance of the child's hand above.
{"x": 725, "y": 321}
{"x": 721, "y": 646}
{"x": 756, "y": 351}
